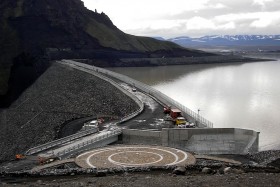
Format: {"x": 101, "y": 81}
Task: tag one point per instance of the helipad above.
{"x": 134, "y": 156}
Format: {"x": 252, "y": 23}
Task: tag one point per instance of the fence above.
{"x": 89, "y": 142}
{"x": 191, "y": 115}
{"x": 97, "y": 73}
{"x": 57, "y": 142}
{"x": 54, "y": 143}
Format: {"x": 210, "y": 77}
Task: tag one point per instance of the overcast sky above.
{"x": 171, "y": 18}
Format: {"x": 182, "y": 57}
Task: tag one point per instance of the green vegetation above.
{"x": 33, "y": 26}
{"x": 116, "y": 39}
{"x": 18, "y": 10}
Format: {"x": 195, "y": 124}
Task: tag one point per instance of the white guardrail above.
{"x": 78, "y": 135}
{"x": 98, "y": 74}
{"x": 60, "y": 141}
{"x": 89, "y": 142}
{"x": 189, "y": 114}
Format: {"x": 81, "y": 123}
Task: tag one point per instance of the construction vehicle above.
{"x": 47, "y": 160}
{"x": 176, "y": 115}
{"x": 167, "y": 110}
{"x": 20, "y": 157}
{"x": 180, "y": 121}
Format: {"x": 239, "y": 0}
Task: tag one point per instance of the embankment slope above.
{"x": 60, "y": 94}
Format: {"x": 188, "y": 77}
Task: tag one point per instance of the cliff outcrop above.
{"x": 33, "y": 32}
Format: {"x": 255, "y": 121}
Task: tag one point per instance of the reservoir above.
{"x": 239, "y": 95}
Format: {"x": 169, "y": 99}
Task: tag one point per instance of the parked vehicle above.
{"x": 176, "y": 115}
{"x": 180, "y": 121}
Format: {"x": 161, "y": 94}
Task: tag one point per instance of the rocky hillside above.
{"x": 33, "y": 31}
{"x": 58, "y": 96}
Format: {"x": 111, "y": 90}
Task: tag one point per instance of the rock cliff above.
{"x": 34, "y": 31}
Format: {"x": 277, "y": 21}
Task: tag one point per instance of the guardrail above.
{"x": 98, "y": 74}
{"x": 67, "y": 139}
{"x": 60, "y": 141}
{"x": 191, "y": 115}
{"x": 89, "y": 142}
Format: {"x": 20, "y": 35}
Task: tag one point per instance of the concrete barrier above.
{"x": 203, "y": 141}
{"x": 162, "y": 98}
{"x": 97, "y": 72}
{"x": 60, "y": 141}
{"x": 141, "y": 137}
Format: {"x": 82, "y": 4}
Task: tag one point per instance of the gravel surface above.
{"x": 63, "y": 94}
{"x": 59, "y": 95}
{"x": 155, "y": 179}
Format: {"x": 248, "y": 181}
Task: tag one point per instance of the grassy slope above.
{"x": 114, "y": 38}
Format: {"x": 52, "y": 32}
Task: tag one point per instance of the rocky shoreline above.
{"x": 170, "y": 61}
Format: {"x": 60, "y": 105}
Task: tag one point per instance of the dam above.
{"x": 205, "y": 139}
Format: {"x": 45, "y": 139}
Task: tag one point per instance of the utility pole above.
{"x": 197, "y": 120}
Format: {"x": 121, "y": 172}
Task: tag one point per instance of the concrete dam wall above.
{"x": 202, "y": 141}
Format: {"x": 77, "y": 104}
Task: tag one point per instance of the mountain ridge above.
{"x": 33, "y": 32}
{"x": 227, "y": 40}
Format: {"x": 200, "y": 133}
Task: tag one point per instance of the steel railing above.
{"x": 191, "y": 115}
{"x": 60, "y": 141}
{"x": 133, "y": 97}
{"x": 89, "y": 142}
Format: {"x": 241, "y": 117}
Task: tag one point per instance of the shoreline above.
{"x": 193, "y": 171}
{"x": 151, "y": 62}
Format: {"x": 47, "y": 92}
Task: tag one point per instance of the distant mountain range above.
{"x": 227, "y": 40}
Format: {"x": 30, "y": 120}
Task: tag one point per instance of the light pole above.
{"x": 198, "y": 110}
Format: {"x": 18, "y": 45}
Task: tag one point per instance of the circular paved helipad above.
{"x": 134, "y": 156}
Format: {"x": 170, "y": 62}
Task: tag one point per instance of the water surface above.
{"x": 230, "y": 95}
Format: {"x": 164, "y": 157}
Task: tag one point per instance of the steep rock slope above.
{"x": 34, "y": 31}
{"x": 61, "y": 94}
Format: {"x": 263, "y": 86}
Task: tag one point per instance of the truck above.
{"x": 176, "y": 115}
{"x": 180, "y": 121}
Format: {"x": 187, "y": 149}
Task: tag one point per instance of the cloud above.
{"x": 197, "y": 23}
{"x": 266, "y": 19}
{"x": 262, "y": 2}
{"x": 193, "y": 17}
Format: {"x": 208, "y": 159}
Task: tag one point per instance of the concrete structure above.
{"x": 60, "y": 141}
{"x": 192, "y": 116}
{"x": 92, "y": 141}
{"x": 202, "y": 141}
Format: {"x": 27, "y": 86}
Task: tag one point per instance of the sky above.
{"x": 194, "y": 18}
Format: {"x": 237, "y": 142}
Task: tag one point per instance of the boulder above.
{"x": 207, "y": 170}
{"x": 227, "y": 170}
{"x": 180, "y": 170}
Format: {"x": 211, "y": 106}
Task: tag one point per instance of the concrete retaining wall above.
{"x": 148, "y": 137}
{"x": 160, "y": 97}
{"x": 203, "y": 141}
{"x": 97, "y": 144}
